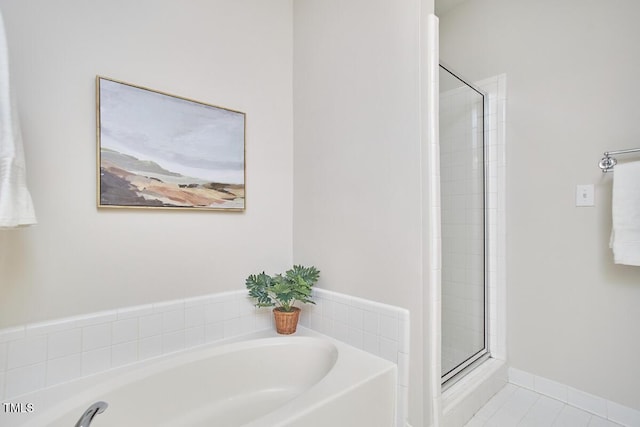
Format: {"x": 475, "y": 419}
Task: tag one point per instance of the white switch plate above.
{"x": 585, "y": 195}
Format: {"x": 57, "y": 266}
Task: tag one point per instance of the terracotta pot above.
{"x": 286, "y": 321}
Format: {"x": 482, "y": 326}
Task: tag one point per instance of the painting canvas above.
{"x": 162, "y": 151}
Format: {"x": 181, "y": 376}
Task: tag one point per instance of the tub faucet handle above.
{"x": 92, "y": 411}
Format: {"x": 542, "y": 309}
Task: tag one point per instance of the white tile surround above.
{"x": 40, "y": 355}
{"x": 377, "y": 328}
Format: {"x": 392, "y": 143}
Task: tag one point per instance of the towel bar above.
{"x": 607, "y": 162}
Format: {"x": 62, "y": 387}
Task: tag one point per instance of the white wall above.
{"x": 236, "y": 54}
{"x": 572, "y": 69}
{"x": 357, "y": 190}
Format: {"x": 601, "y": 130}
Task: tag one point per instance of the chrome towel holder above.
{"x": 607, "y": 162}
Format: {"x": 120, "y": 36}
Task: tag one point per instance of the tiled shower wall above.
{"x": 36, "y": 356}
{"x": 462, "y": 293}
{"x": 475, "y": 389}
{"x": 462, "y": 198}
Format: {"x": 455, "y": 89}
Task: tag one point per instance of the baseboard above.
{"x": 596, "y": 405}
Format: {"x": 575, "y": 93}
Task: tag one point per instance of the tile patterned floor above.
{"x": 515, "y": 406}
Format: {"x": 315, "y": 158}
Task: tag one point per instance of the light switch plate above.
{"x": 585, "y": 195}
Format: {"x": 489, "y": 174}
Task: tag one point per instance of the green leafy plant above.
{"x": 283, "y": 290}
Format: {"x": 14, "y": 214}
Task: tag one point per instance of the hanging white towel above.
{"x": 16, "y": 207}
{"x": 625, "y": 236}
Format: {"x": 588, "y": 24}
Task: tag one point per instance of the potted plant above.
{"x": 282, "y": 291}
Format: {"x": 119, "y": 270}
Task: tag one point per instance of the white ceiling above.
{"x": 443, "y": 6}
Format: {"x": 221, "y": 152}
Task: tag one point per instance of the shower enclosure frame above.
{"x": 453, "y": 375}
{"x": 461, "y": 400}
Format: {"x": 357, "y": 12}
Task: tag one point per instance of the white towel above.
{"x": 625, "y": 236}
{"x": 16, "y": 207}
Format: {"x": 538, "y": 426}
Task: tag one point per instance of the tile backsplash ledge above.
{"x": 39, "y": 355}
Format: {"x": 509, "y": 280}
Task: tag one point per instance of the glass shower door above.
{"x": 462, "y": 180}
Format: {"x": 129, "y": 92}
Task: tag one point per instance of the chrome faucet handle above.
{"x": 92, "y": 411}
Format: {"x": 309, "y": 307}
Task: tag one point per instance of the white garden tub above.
{"x": 260, "y": 381}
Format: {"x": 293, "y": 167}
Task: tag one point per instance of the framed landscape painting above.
{"x": 157, "y": 150}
